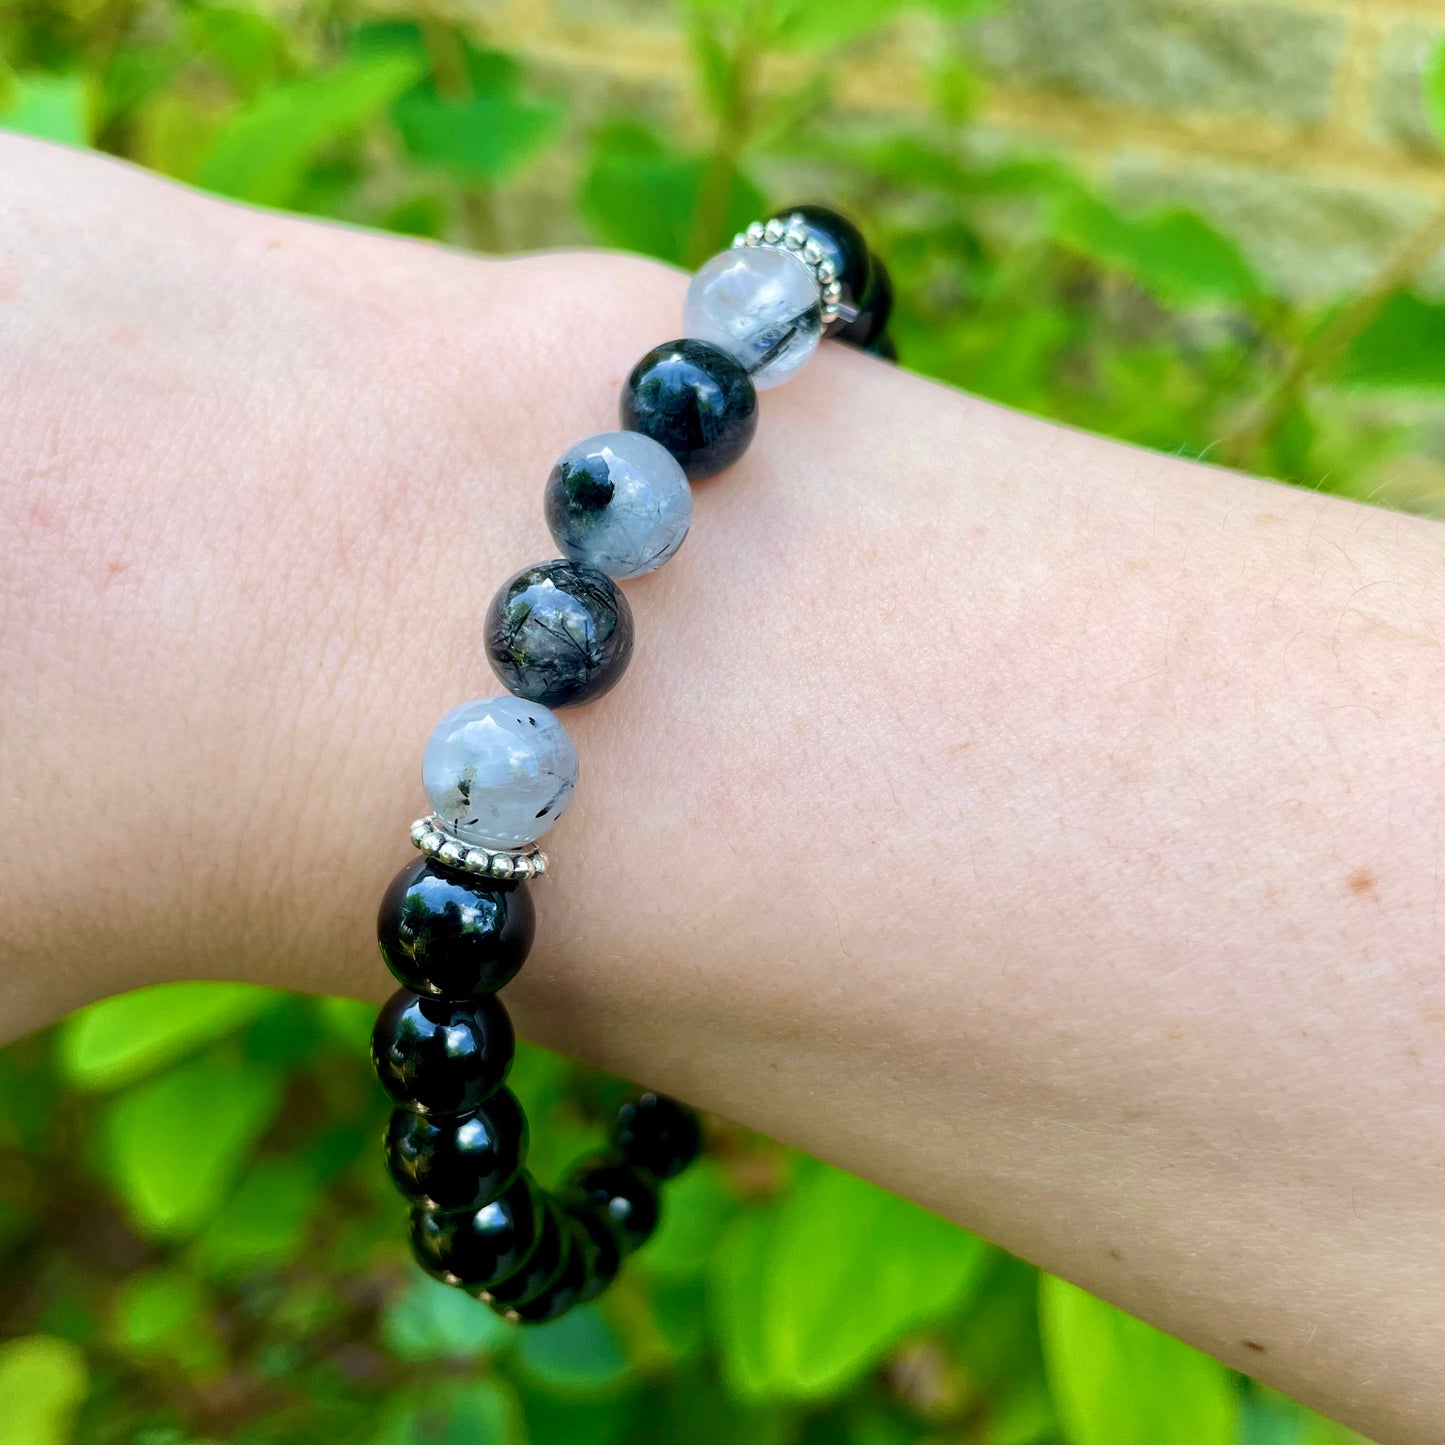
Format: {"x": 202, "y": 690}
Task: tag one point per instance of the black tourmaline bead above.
{"x": 559, "y": 633}
{"x": 843, "y": 244}
{"x": 450, "y": 935}
{"x": 564, "y": 1291}
{"x": 696, "y": 401}
{"x": 873, "y": 310}
{"x": 543, "y": 1266}
{"x": 478, "y": 1248}
{"x": 883, "y": 347}
{"x": 600, "y": 1247}
{"x": 441, "y": 1056}
{"x": 461, "y": 1161}
{"x": 621, "y": 1193}
{"x": 657, "y": 1133}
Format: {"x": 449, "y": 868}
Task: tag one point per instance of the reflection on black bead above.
{"x": 657, "y": 1133}
{"x": 564, "y": 1291}
{"x": 450, "y": 935}
{"x": 695, "y": 400}
{"x": 843, "y": 244}
{"x": 477, "y": 1248}
{"x": 544, "y": 1264}
{"x": 622, "y": 1193}
{"x": 461, "y": 1161}
{"x": 559, "y": 633}
{"x": 441, "y": 1056}
{"x": 600, "y": 1247}
{"x": 873, "y": 311}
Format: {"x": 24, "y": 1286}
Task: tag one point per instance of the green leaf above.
{"x": 263, "y": 154}
{"x": 1433, "y": 84}
{"x": 1119, "y": 1381}
{"x": 1175, "y": 255}
{"x": 50, "y": 107}
{"x": 639, "y": 194}
{"x": 579, "y": 1353}
{"x": 126, "y": 1037}
{"x": 696, "y": 1208}
{"x": 176, "y": 1143}
{"x": 432, "y": 1321}
{"x": 795, "y": 1317}
{"x": 488, "y": 135}
{"x": 263, "y": 1223}
{"x": 1402, "y": 348}
{"x": 42, "y": 1383}
{"x": 164, "y": 1316}
{"x": 808, "y": 25}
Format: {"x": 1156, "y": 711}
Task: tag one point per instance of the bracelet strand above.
{"x": 456, "y": 925}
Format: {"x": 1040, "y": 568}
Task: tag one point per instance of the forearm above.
{"x": 1044, "y": 828}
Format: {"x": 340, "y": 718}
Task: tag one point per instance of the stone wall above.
{"x": 1297, "y": 124}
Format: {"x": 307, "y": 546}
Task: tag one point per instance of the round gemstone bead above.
{"x": 542, "y": 1266}
{"x": 622, "y": 1194}
{"x": 601, "y": 1249}
{"x": 451, "y": 935}
{"x": 442, "y": 1056}
{"x": 499, "y": 772}
{"x": 618, "y": 502}
{"x": 564, "y": 1291}
{"x": 658, "y": 1134}
{"x": 459, "y": 1162}
{"x": 559, "y": 633}
{"x": 883, "y": 348}
{"x": 695, "y": 400}
{"x": 874, "y": 309}
{"x": 842, "y": 243}
{"x": 761, "y": 306}
{"x": 479, "y": 1247}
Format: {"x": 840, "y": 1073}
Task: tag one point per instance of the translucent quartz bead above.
{"x": 760, "y": 305}
{"x": 500, "y": 772}
{"x": 619, "y": 502}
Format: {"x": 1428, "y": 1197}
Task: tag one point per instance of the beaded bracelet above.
{"x": 455, "y": 926}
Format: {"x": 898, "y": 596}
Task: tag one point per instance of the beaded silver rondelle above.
{"x": 432, "y": 838}
{"x": 792, "y": 236}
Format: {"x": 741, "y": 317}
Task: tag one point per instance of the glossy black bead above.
{"x": 600, "y": 1247}
{"x": 450, "y": 935}
{"x": 543, "y": 1266}
{"x": 564, "y": 1291}
{"x": 622, "y": 1193}
{"x": 873, "y": 310}
{"x": 694, "y": 399}
{"x": 843, "y": 244}
{"x": 461, "y": 1161}
{"x": 883, "y": 347}
{"x": 559, "y": 633}
{"x": 478, "y": 1248}
{"x": 658, "y": 1134}
{"x": 442, "y": 1056}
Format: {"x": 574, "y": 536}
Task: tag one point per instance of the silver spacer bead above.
{"x": 791, "y": 234}
{"x": 430, "y": 835}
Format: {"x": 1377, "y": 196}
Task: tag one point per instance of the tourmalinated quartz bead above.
{"x": 621, "y": 1193}
{"x": 618, "y": 502}
{"x": 843, "y": 244}
{"x": 441, "y": 1056}
{"x": 458, "y": 1162}
{"x": 559, "y": 633}
{"x": 760, "y": 305}
{"x": 480, "y": 1247}
{"x": 499, "y": 772}
{"x": 657, "y": 1133}
{"x": 450, "y": 935}
{"x": 694, "y": 399}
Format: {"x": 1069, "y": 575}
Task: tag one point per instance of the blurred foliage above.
{"x": 198, "y": 1240}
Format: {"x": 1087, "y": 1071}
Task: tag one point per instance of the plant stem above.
{"x": 1329, "y": 342}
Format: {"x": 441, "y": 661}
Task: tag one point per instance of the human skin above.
{"x": 1047, "y": 829}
